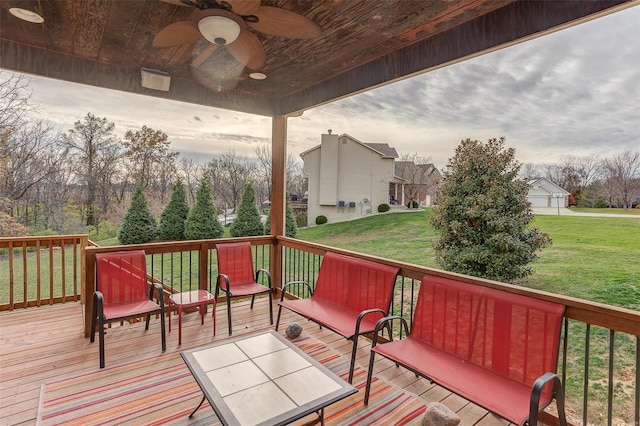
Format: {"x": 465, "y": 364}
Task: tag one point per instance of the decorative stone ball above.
{"x": 293, "y": 330}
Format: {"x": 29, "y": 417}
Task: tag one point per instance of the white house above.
{"x": 347, "y": 178}
{"x": 544, "y": 193}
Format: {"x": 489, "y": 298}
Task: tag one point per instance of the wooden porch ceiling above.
{"x": 363, "y": 44}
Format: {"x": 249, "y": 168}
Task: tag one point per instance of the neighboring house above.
{"x": 416, "y": 182}
{"x": 347, "y": 178}
{"x": 544, "y": 193}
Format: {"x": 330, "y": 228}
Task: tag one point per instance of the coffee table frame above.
{"x": 226, "y": 414}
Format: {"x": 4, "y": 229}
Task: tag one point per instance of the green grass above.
{"x": 594, "y": 258}
{"x": 606, "y": 211}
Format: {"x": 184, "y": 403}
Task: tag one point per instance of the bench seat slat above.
{"x": 332, "y": 316}
{"x": 506, "y": 398}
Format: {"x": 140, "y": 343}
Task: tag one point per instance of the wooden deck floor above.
{"x": 47, "y": 344}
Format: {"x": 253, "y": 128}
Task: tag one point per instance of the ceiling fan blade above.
{"x": 284, "y": 23}
{"x": 248, "y": 50}
{"x": 204, "y": 55}
{"x": 244, "y": 7}
{"x": 181, "y": 32}
{"x": 176, "y": 2}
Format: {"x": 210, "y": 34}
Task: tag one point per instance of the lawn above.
{"x": 594, "y": 258}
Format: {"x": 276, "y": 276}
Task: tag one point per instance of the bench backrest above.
{"x": 354, "y": 283}
{"x": 512, "y": 335}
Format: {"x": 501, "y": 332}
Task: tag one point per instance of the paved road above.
{"x": 567, "y": 212}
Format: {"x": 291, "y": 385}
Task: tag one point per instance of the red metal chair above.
{"x": 122, "y": 293}
{"x": 236, "y": 276}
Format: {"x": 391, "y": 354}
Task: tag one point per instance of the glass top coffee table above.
{"x": 263, "y": 380}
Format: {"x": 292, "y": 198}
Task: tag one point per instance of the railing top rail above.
{"x": 612, "y": 317}
{"x": 177, "y": 246}
{"x": 30, "y": 241}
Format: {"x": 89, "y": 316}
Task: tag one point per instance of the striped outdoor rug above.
{"x": 135, "y": 394}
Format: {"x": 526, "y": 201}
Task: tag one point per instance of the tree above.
{"x": 202, "y": 221}
{"x": 291, "y": 227}
{"x": 148, "y": 153}
{"x": 415, "y": 172}
{"x": 174, "y": 216}
{"x": 482, "y": 215}
{"x": 94, "y": 151}
{"x": 623, "y": 173}
{"x": 139, "y": 225}
{"x": 247, "y": 221}
{"x": 230, "y": 172}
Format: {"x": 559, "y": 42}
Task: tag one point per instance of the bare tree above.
{"x": 94, "y": 151}
{"x": 15, "y": 101}
{"x": 623, "y": 175}
{"x": 530, "y": 171}
{"x": 229, "y": 173}
{"x": 415, "y": 171}
{"x": 191, "y": 174}
{"x": 263, "y": 178}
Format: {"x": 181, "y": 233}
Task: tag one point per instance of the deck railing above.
{"x": 37, "y": 271}
{"x": 600, "y": 350}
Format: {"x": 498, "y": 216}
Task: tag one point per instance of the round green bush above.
{"x": 383, "y": 208}
{"x": 322, "y": 219}
{"x": 412, "y": 204}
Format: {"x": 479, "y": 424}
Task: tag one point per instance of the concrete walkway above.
{"x": 553, "y": 211}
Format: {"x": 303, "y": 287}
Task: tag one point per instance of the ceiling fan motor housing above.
{"x": 219, "y": 26}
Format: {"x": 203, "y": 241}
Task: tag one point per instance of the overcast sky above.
{"x": 574, "y": 92}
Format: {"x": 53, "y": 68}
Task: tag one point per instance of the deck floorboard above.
{"x": 46, "y": 344}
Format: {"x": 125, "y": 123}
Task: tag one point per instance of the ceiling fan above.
{"x": 224, "y": 23}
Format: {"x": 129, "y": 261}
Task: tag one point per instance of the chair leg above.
{"x": 353, "y": 357}
{"x": 164, "y": 335}
{"x": 229, "y": 315}
{"x": 253, "y": 298}
{"x": 369, "y": 377}
{"x": 271, "y": 307}
{"x": 278, "y": 317}
{"x": 101, "y": 340}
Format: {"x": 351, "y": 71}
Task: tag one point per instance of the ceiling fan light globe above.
{"x": 219, "y": 29}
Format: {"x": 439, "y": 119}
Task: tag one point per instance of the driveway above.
{"x": 553, "y": 211}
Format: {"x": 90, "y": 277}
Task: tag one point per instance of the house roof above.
{"x": 548, "y": 186}
{"x": 383, "y": 149}
{"x": 408, "y": 171}
{"x": 363, "y": 44}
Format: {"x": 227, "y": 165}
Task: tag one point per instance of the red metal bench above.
{"x": 350, "y": 296}
{"x": 494, "y": 348}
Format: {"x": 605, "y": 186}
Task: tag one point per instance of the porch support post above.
{"x": 278, "y": 194}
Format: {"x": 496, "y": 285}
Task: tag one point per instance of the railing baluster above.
{"x": 51, "y": 272}
{"x": 637, "y": 410}
{"x": 63, "y": 269}
{"x": 610, "y": 391}
{"x": 25, "y": 294}
{"x": 565, "y": 344}
{"x": 585, "y": 396}
{"x": 39, "y": 273}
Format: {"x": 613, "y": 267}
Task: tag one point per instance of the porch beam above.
{"x": 278, "y": 193}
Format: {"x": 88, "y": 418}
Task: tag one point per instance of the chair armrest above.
{"x": 98, "y": 302}
{"x": 284, "y": 289}
{"x": 365, "y": 313}
{"x": 160, "y": 290}
{"x": 382, "y": 322}
{"x": 267, "y": 274}
{"x": 226, "y": 279}
{"x": 536, "y": 390}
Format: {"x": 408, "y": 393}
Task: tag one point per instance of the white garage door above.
{"x": 539, "y": 200}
